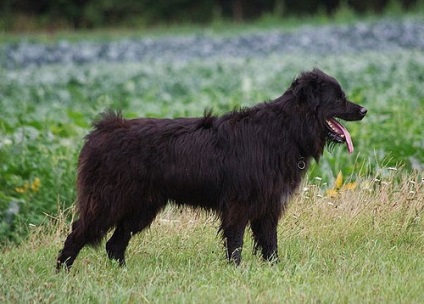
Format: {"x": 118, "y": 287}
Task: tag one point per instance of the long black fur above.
{"x": 243, "y": 165}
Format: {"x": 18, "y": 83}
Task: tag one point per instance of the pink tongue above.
{"x": 346, "y": 134}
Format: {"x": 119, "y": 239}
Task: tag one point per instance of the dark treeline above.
{"x": 93, "y": 13}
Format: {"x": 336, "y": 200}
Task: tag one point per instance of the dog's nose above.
{"x": 363, "y": 111}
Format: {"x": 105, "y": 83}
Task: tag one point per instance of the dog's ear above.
{"x": 306, "y": 89}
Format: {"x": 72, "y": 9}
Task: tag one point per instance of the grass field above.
{"x": 360, "y": 246}
{"x": 360, "y": 239}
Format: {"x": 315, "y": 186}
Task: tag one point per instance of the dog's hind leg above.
{"x": 265, "y": 236}
{"x": 76, "y": 240}
{"x": 117, "y": 244}
{"x": 73, "y": 245}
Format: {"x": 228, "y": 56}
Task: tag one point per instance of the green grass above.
{"x": 362, "y": 246}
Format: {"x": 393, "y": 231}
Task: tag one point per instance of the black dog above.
{"x": 243, "y": 165}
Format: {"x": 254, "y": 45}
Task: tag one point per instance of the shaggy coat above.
{"x": 243, "y": 165}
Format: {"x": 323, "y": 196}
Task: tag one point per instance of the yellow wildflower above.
{"x": 35, "y": 186}
{"x": 339, "y": 187}
{"x": 332, "y": 193}
{"x": 349, "y": 186}
{"x": 339, "y": 181}
{"x": 22, "y": 189}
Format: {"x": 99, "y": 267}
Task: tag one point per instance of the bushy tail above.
{"x": 110, "y": 120}
{"x": 94, "y": 212}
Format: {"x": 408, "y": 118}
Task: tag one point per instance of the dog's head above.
{"x": 323, "y": 101}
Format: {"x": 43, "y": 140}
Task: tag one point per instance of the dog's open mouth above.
{"x": 338, "y": 133}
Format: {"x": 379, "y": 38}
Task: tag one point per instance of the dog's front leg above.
{"x": 265, "y": 236}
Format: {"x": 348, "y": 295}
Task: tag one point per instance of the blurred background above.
{"x": 76, "y": 14}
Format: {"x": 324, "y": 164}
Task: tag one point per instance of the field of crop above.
{"x": 358, "y": 237}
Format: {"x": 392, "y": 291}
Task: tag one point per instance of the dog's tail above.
{"x": 110, "y": 120}
{"x": 94, "y": 211}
